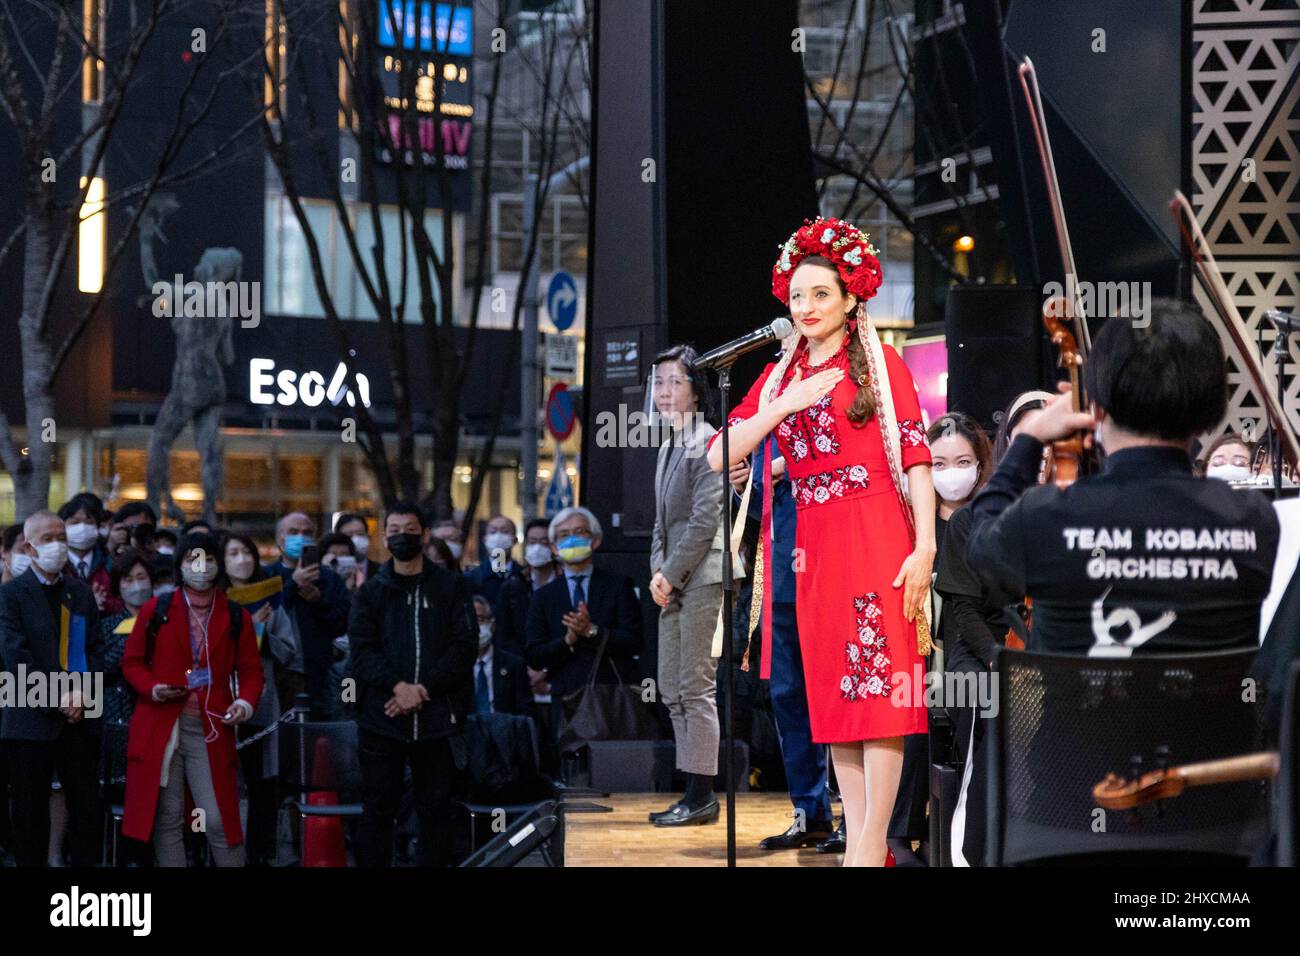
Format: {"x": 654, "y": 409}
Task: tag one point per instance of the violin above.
{"x": 1117, "y": 793}
{"x": 1072, "y": 455}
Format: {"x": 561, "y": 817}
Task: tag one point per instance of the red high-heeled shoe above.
{"x": 889, "y": 858}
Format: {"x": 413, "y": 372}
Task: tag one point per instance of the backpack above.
{"x": 160, "y": 618}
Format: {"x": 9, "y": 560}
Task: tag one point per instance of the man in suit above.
{"x": 585, "y": 605}
{"x": 87, "y": 556}
{"x": 500, "y": 678}
{"x": 497, "y": 564}
{"x": 50, "y": 625}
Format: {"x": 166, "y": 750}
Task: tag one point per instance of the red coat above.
{"x": 152, "y": 722}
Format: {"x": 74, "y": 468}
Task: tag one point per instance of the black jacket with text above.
{"x": 1142, "y": 557}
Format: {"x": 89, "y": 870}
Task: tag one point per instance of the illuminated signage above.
{"x": 309, "y": 387}
{"x": 398, "y": 20}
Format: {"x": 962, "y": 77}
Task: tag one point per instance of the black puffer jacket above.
{"x": 426, "y": 635}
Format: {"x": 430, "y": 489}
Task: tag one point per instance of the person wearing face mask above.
{"x": 538, "y": 570}
{"x": 164, "y": 541}
{"x": 181, "y": 657}
{"x": 961, "y": 458}
{"x": 241, "y": 575}
{"x": 87, "y": 558}
{"x": 497, "y": 565}
{"x": 413, "y": 639}
{"x": 50, "y": 624}
{"x": 1229, "y": 458}
{"x": 500, "y": 678}
{"x": 131, "y": 580}
{"x": 975, "y": 620}
{"x": 449, "y": 533}
{"x": 15, "y": 561}
{"x": 316, "y": 600}
{"x": 358, "y": 532}
{"x": 582, "y": 607}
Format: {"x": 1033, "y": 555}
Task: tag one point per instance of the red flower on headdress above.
{"x": 840, "y": 242}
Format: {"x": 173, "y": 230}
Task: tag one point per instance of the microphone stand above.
{"x": 728, "y": 612}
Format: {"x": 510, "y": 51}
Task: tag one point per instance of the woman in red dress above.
{"x": 848, "y": 423}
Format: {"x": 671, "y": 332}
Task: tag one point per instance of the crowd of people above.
{"x": 851, "y": 515}
{"x": 203, "y": 646}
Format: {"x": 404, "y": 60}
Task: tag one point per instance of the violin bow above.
{"x": 1216, "y": 290}
{"x": 1038, "y": 119}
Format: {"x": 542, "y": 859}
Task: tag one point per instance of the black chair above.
{"x": 1287, "y": 794}
{"x": 321, "y": 757}
{"x": 505, "y": 782}
{"x": 1064, "y": 722}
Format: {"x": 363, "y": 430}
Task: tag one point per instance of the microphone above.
{"x": 1283, "y": 321}
{"x": 726, "y": 354}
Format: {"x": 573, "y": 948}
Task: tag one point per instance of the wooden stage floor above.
{"x": 625, "y": 838}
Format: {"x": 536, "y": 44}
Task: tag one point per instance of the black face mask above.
{"x": 404, "y": 547}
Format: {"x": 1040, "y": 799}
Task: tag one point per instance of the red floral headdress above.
{"x": 843, "y": 243}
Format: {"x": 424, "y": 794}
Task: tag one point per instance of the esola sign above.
{"x": 306, "y": 387}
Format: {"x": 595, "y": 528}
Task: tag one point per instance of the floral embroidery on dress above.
{"x": 823, "y": 486}
{"x": 867, "y": 658}
{"x": 811, "y": 432}
{"x": 911, "y": 433}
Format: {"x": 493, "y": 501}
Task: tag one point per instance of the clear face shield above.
{"x": 670, "y": 402}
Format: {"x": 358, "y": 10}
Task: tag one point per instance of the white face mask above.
{"x": 240, "y": 568}
{"x": 52, "y": 556}
{"x": 19, "y": 563}
{"x": 199, "y": 580}
{"x": 1228, "y": 472}
{"x": 455, "y": 549}
{"x": 484, "y": 635}
{"x": 82, "y": 536}
{"x": 361, "y": 544}
{"x": 538, "y": 555}
{"x": 137, "y": 594}
{"x": 955, "y": 484}
{"x": 166, "y": 549}
{"x": 499, "y": 541}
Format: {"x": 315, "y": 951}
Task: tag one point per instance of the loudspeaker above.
{"x": 530, "y": 834}
{"x": 997, "y": 348}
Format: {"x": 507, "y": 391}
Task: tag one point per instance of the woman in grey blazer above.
{"x": 686, "y": 582}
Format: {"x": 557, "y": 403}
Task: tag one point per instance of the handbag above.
{"x": 604, "y": 711}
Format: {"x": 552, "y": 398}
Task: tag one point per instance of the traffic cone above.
{"x": 322, "y": 837}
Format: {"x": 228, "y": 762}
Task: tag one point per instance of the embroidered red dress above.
{"x": 851, "y": 538}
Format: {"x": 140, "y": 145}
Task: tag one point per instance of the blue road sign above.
{"x": 559, "y": 493}
{"x": 562, "y": 300}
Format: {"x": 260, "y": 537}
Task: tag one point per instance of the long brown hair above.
{"x": 863, "y": 406}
